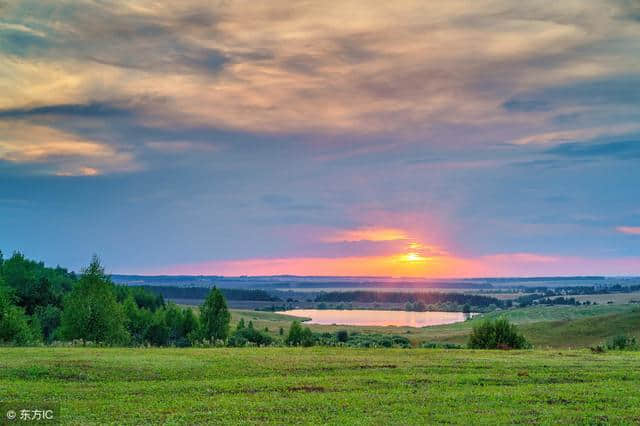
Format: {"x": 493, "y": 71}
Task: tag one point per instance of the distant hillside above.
{"x": 200, "y": 293}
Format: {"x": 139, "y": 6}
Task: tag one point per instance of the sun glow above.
{"x": 413, "y": 257}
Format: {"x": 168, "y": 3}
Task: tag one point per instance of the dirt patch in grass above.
{"x": 377, "y": 366}
{"x": 306, "y": 389}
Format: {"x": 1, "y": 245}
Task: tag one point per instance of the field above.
{"x": 616, "y": 298}
{"x": 325, "y": 385}
{"x": 544, "y": 326}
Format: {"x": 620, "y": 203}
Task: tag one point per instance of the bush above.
{"x": 378, "y": 341}
{"x": 622, "y": 343}
{"x": 299, "y": 336}
{"x": 440, "y": 345}
{"x": 497, "y": 334}
{"x": 342, "y": 336}
{"x": 246, "y": 335}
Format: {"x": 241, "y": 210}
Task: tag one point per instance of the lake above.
{"x": 379, "y": 318}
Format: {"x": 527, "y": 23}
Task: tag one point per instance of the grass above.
{"x": 325, "y": 385}
{"x": 544, "y": 326}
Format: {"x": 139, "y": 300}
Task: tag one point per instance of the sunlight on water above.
{"x": 378, "y": 318}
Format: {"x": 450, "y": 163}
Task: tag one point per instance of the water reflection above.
{"x": 378, "y": 318}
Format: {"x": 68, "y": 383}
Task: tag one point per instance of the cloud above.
{"x": 631, "y": 230}
{"x": 268, "y": 68}
{"x": 618, "y": 150}
{"x": 616, "y": 90}
{"x": 366, "y": 234}
{"x": 94, "y": 109}
{"x": 576, "y": 134}
{"x": 64, "y": 153}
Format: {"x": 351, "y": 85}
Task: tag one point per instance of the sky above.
{"x": 405, "y": 138}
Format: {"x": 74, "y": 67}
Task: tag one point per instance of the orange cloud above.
{"x": 67, "y": 154}
{"x": 366, "y": 234}
{"x": 632, "y": 230}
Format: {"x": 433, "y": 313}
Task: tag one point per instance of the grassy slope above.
{"x": 325, "y": 385}
{"x": 553, "y": 326}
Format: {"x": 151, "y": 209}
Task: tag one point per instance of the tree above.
{"x": 14, "y": 324}
{"x": 240, "y": 325}
{"x": 91, "y": 311}
{"x": 295, "y": 334}
{"x": 466, "y": 309}
{"x": 158, "y": 332}
{"x": 342, "y": 336}
{"x": 214, "y": 316}
{"x": 299, "y": 336}
{"x": 242, "y": 336}
{"x": 189, "y": 322}
{"x": 306, "y": 337}
{"x": 497, "y": 334}
{"x": 49, "y": 318}
{"x": 419, "y": 306}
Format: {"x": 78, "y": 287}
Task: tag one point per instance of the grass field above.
{"x": 544, "y": 326}
{"x": 325, "y": 385}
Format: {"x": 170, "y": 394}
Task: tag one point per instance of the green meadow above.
{"x": 325, "y": 385}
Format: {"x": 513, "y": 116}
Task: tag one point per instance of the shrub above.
{"x": 440, "y": 345}
{"x": 299, "y": 336}
{"x": 249, "y": 335}
{"x": 497, "y": 334}
{"x": 622, "y": 343}
{"x": 342, "y": 336}
{"x": 378, "y": 341}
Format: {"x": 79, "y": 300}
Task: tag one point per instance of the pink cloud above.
{"x": 632, "y": 230}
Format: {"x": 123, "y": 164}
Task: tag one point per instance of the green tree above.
{"x": 138, "y": 320}
{"x": 299, "y": 336}
{"x": 240, "y": 325}
{"x": 295, "y": 334}
{"x": 189, "y": 322}
{"x": 342, "y": 336}
{"x": 214, "y": 316}
{"x": 158, "y": 332}
{"x": 91, "y": 311}
{"x": 497, "y": 334}
{"x": 49, "y": 318}
{"x": 306, "y": 337}
{"x": 15, "y": 327}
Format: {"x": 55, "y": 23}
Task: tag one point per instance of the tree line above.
{"x": 430, "y": 298}
{"x": 199, "y": 293}
{"x": 43, "y": 305}
{"x": 39, "y": 304}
